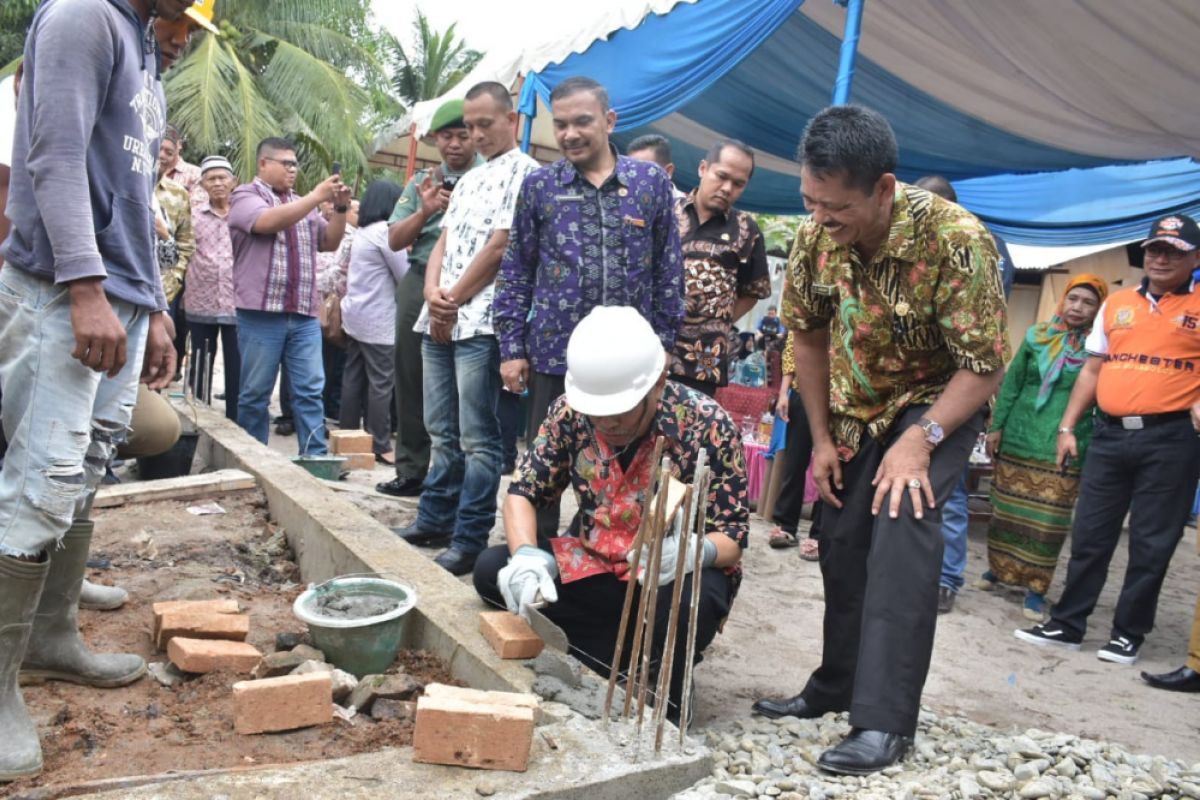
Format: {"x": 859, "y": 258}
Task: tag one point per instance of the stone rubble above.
{"x": 952, "y": 758}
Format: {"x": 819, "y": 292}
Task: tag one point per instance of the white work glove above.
{"x": 671, "y": 555}
{"x": 530, "y": 571}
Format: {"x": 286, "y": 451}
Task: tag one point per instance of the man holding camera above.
{"x": 276, "y": 234}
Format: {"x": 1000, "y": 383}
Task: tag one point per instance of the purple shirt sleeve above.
{"x": 245, "y": 207}
{"x": 518, "y": 270}
{"x": 667, "y": 309}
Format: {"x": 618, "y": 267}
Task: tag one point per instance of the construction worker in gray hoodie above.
{"x": 81, "y": 318}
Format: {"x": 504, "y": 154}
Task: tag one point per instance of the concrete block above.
{"x": 202, "y": 625}
{"x": 473, "y": 728}
{"x": 509, "y": 635}
{"x": 210, "y": 655}
{"x": 192, "y": 606}
{"x": 359, "y": 460}
{"x": 393, "y": 709}
{"x": 282, "y": 704}
{"x": 276, "y": 664}
{"x": 308, "y": 652}
{"x": 343, "y": 443}
{"x": 388, "y": 687}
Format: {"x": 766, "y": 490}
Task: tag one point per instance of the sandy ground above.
{"x": 772, "y": 641}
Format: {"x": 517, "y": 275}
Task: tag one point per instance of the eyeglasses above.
{"x": 286, "y": 163}
{"x": 1165, "y": 252}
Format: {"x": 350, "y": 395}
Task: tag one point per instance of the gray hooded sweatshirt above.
{"x": 89, "y": 121}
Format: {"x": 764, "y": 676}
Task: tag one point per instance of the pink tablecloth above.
{"x": 758, "y": 467}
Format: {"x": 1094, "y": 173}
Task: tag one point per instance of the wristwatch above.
{"x": 933, "y": 431}
{"x": 1066, "y": 430}
{"x": 341, "y": 209}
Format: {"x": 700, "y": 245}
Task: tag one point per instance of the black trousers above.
{"x": 589, "y": 612}
{"x": 508, "y": 411}
{"x": 179, "y": 320}
{"x": 796, "y": 455}
{"x": 1151, "y": 474}
{"x": 544, "y": 389}
{"x": 412, "y": 440}
{"x": 881, "y": 588}
{"x": 204, "y": 353}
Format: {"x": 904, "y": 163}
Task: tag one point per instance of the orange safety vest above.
{"x": 1153, "y": 360}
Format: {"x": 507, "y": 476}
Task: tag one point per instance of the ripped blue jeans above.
{"x": 63, "y": 420}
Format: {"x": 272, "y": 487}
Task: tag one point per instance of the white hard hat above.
{"x": 614, "y": 358}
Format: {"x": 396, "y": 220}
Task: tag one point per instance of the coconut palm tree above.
{"x": 433, "y": 64}
{"x": 301, "y": 68}
{"x": 15, "y": 19}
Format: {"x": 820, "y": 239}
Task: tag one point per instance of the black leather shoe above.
{"x": 864, "y": 752}
{"x": 400, "y": 487}
{"x": 415, "y": 536}
{"x": 285, "y": 427}
{"x": 793, "y": 707}
{"x": 1184, "y": 679}
{"x": 456, "y": 562}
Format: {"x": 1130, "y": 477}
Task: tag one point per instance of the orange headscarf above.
{"x": 1057, "y": 347}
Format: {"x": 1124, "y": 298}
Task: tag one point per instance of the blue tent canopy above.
{"x": 758, "y": 71}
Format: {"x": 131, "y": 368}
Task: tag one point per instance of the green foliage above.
{"x": 434, "y": 64}
{"x": 306, "y": 70}
{"x": 778, "y": 231}
{"x": 15, "y": 19}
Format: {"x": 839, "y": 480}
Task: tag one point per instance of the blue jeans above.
{"x": 265, "y": 340}
{"x": 461, "y": 388}
{"x": 954, "y": 535}
{"x": 63, "y": 419}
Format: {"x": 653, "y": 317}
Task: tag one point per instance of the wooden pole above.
{"x": 668, "y": 660}
{"x": 660, "y": 504}
{"x": 685, "y": 712}
{"x": 411, "y": 166}
{"x": 650, "y": 588}
{"x": 647, "y": 509}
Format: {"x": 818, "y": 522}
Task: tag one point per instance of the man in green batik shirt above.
{"x": 896, "y": 308}
{"x": 417, "y": 223}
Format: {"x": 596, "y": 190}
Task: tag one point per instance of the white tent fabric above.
{"x": 1014, "y": 64}
{"x": 551, "y": 38}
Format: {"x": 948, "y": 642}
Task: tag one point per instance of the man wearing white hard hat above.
{"x": 599, "y": 439}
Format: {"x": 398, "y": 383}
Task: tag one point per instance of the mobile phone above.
{"x": 449, "y": 182}
{"x": 337, "y": 168}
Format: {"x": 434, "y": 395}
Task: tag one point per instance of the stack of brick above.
{"x": 355, "y": 446}
{"x": 205, "y": 635}
{"x": 471, "y": 728}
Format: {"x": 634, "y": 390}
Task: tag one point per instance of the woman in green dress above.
{"x": 1032, "y": 500}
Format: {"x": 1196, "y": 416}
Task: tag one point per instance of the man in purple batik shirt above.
{"x": 592, "y": 229}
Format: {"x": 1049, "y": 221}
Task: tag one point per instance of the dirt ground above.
{"x": 772, "y": 642}
{"x": 159, "y": 551}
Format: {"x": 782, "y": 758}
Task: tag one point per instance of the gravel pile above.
{"x": 952, "y": 758}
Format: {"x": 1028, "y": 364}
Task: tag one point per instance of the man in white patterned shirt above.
{"x": 459, "y": 349}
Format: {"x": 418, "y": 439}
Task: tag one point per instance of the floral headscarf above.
{"x": 1057, "y": 347}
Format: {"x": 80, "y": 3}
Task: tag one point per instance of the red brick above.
{"x": 343, "y": 443}
{"x": 193, "y": 606}
{"x": 471, "y": 728}
{"x": 509, "y": 635}
{"x": 234, "y": 627}
{"x": 359, "y": 460}
{"x": 282, "y": 704}
{"x": 209, "y": 655}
